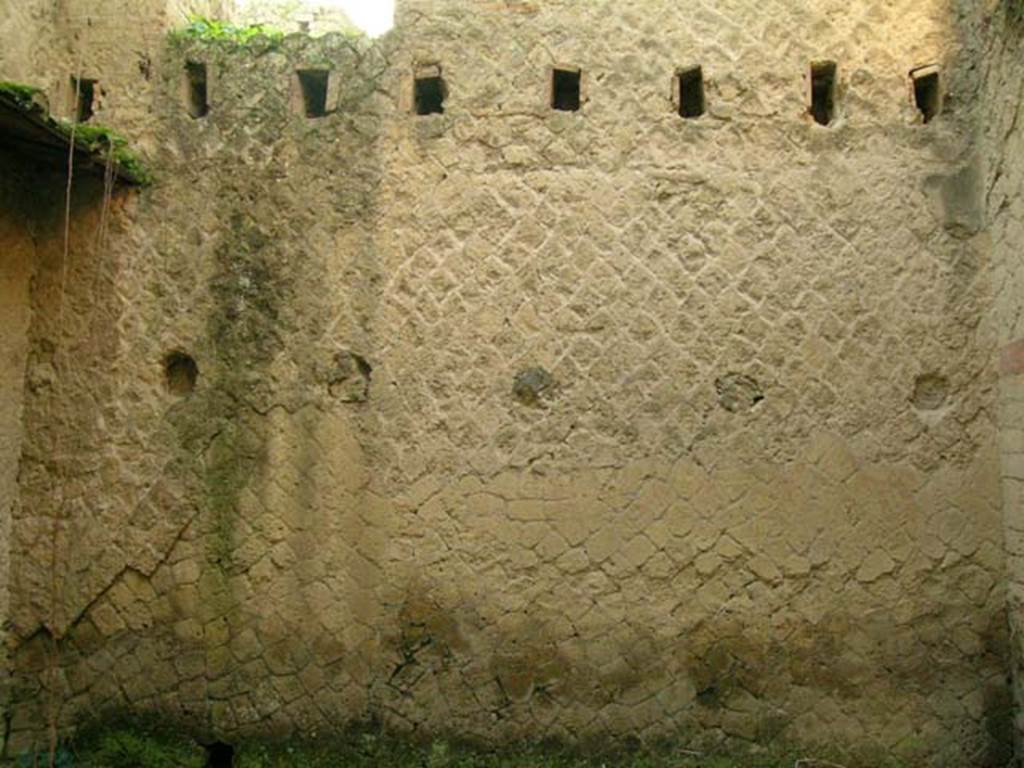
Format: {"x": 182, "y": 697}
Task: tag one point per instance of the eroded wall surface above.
{"x": 17, "y": 261}
{"x": 27, "y": 29}
{"x": 1004, "y": 186}
{"x": 521, "y": 424}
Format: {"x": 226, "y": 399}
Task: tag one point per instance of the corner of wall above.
{"x": 1000, "y": 134}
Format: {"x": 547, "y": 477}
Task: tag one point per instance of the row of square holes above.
{"x": 430, "y": 92}
{"x": 689, "y": 89}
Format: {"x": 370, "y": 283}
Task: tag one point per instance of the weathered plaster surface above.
{"x": 645, "y": 550}
{"x": 27, "y": 28}
{"x": 1004, "y": 185}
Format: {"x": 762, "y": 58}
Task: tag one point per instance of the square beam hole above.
{"x": 83, "y": 95}
{"x": 691, "y": 92}
{"x": 927, "y": 92}
{"x": 565, "y": 90}
{"x": 313, "y": 89}
{"x": 196, "y": 94}
{"x": 823, "y": 91}
{"x": 429, "y": 92}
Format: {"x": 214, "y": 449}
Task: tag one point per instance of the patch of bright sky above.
{"x": 374, "y": 17}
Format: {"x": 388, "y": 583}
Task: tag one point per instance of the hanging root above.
{"x": 53, "y": 662}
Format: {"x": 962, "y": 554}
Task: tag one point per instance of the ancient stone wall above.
{"x": 1000, "y": 128}
{"x": 69, "y": 406}
{"x": 17, "y": 262}
{"x": 56, "y": 338}
{"x": 525, "y": 423}
{"x": 671, "y": 546}
{"x": 181, "y": 463}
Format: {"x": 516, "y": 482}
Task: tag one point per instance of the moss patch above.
{"x": 21, "y": 94}
{"x": 230, "y": 464}
{"x": 133, "y": 749}
{"x": 103, "y": 141}
{"x": 124, "y": 742}
{"x": 134, "y": 744}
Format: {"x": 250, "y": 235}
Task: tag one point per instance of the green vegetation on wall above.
{"x": 94, "y": 139}
{"x": 102, "y": 141}
{"x": 22, "y": 95}
{"x": 153, "y": 744}
{"x": 203, "y": 29}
